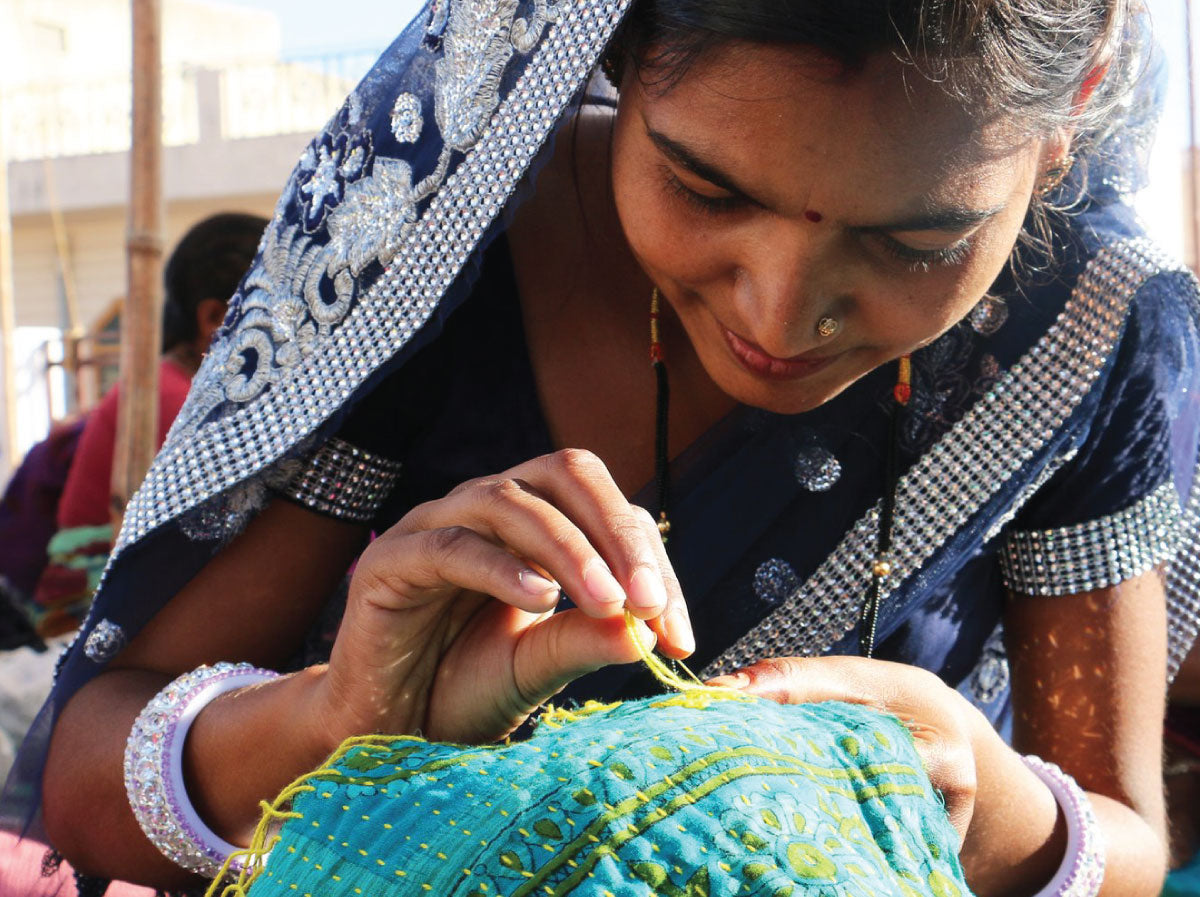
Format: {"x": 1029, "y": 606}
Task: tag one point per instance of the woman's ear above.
{"x": 210, "y": 313}
{"x": 1055, "y": 161}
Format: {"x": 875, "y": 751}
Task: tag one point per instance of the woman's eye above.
{"x": 701, "y": 201}
{"x": 924, "y": 260}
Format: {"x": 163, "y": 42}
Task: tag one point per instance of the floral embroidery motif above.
{"x": 339, "y": 155}
{"x": 218, "y": 443}
{"x": 357, "y": 209}
{"x": 372, "y": 222}
{"x": 947, "y": 378}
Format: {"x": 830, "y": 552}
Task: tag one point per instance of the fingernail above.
{"x": 733, "y": 680}
{"x": 646, "y": 590}
{"x": 601, "y": 584}
{"x": 679, "y": 630}
{"x": 535, "y": 584}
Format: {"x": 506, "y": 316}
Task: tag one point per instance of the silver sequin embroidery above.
{"x": 774, "y": 581}
{"x": 207, "y": 454}
{"x": 988, "y": 316}
{"x": 406, "y": 118}
{"x": 1096, "y": 554}
{"x": 104, "y": 642}
{"x": 817, "y": 469}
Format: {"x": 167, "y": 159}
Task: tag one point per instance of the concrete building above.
{"x": 235, "y": 120}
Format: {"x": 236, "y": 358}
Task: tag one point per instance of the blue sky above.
{"x": 319, "y": 26}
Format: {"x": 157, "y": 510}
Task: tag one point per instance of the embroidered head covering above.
{"x": 684, "y": 796}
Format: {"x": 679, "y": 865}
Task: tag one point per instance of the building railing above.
{"x": 225, "y": 102}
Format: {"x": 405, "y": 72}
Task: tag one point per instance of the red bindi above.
{"x": 814, "y": 217}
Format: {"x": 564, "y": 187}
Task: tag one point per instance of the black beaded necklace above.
{"x": 881, "y": 566}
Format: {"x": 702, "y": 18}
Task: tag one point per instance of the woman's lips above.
{"x": 761, "y": 364}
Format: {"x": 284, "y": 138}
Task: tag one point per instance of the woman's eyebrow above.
{"x": 950, "y": 218}
{"x": 689, "y": 159}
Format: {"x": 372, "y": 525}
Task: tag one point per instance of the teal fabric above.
{"x": 647, "y": 797}
{"x": 1185, "y": 881}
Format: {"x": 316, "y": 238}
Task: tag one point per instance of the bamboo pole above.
{"x": 137, "y": 425}
{"x": 8, "y": 317}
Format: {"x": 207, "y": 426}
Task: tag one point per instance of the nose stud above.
{"x": 827, "y": 327}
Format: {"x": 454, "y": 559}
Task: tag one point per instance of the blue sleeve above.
{"x": 1144, "y": 431}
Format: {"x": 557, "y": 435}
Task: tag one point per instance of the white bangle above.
{"x": 154, "y": 766}
{"x": 1082, "y": 869}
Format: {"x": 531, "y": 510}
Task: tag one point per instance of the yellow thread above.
{"x": 694, "y": 693}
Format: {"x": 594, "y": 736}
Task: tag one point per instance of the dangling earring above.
{"x": 1056, "y": 173}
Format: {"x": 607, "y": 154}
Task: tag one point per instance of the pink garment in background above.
{"x": 86, "y": 496}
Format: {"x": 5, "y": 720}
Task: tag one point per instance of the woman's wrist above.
{"x": 1017, "y": 838}
{"x": 247, "y": 746}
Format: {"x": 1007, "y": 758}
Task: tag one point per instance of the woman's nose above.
{"x": 783, "y": 297}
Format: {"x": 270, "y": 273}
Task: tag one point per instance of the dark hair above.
{"x": 208, "y": 263}
{"x": 1021, "y": 58}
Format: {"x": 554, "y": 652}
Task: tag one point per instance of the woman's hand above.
{"x": 450, "y": 627}
{"x": 949, "y": 732}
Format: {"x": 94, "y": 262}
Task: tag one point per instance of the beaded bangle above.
{"x": 154, "y": 766}
{"x": 1082, "y": 869}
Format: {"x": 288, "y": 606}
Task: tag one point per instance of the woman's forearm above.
{"x": 244, "y": 747}
{"x": 1018, "y": 839}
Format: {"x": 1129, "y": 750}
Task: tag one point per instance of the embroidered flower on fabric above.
{"x": 341, "y": 154}
{"x": 372, "y": 221}
{"x": 476, "y": 50}
{"x": 273, "y": 330}
{"x": 334, "y": 161}
{"x": 407, "y": 120}
{"x": 104, "y": 642}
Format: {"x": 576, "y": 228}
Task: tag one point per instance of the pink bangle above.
{"x": 154, "y": 766}
{"x": 1082, "y": 869}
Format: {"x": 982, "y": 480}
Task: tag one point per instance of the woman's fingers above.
{"x": 577, "y": 482}
{"x": 565, "y": 514}
{"x": 932, "y": 711}
{"x": 398, "y": 572}
{"x": 674, "y": 626}
{"x": 568, "y": 645}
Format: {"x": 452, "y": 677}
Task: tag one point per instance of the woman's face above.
{"x": 765, "y": 191}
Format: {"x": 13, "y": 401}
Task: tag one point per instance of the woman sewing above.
{"x": 785, "y": 349}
